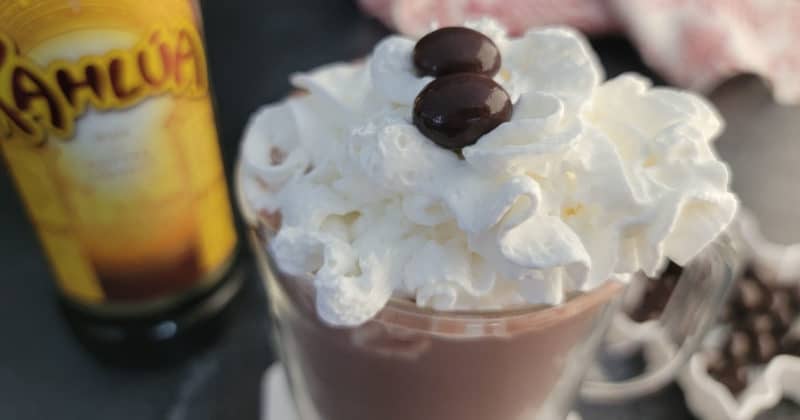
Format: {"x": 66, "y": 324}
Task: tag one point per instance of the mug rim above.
{"x": 405, "y": 315}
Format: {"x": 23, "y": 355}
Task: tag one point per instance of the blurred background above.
{"x": 253, "y": 46}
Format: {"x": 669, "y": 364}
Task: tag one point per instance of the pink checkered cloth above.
{"x": 693, "y": 43}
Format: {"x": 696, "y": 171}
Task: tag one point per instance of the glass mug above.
{"x": 416, "y": 363}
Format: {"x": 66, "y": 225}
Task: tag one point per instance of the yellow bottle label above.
{"x": 107, "y": 127}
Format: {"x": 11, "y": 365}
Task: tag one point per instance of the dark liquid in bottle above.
{"x": 150, "y": 280}
{"x": 191, "y": 323}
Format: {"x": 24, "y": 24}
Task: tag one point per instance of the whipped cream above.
{"x": 589, "y": 182}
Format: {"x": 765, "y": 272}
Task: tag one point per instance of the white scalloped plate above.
{"x": 710, "y": 399}
{"x": 706, "y": 397}
{"x": 779, "y": 379}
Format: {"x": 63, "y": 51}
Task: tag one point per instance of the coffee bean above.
{"x": 733, "y": 376}
{"x": 782, "y": 309}
{"x": 741, "y": 346}
{"x": 737, "y": 381}
{"x": 767, "y": 348}
{"x": 782, "y": 297}
{"x": 456, "y": 50}
{"x": 750, "y": 272}
{"x": 455, "y": 111}
{"x": 735, "y": 298}
{"x": 754, "y": 296}
{"x": 763, "y": 324}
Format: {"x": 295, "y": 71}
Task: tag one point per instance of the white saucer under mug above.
{"x": 276, "y": 403}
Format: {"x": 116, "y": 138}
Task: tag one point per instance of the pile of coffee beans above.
{"x": 463, "y": 102}
{"x": 760, "y": 314}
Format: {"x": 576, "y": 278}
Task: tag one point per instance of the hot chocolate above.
{"x": 413, "y": 363}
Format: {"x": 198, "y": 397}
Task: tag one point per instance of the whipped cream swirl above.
{"x": 589, "y": 182}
